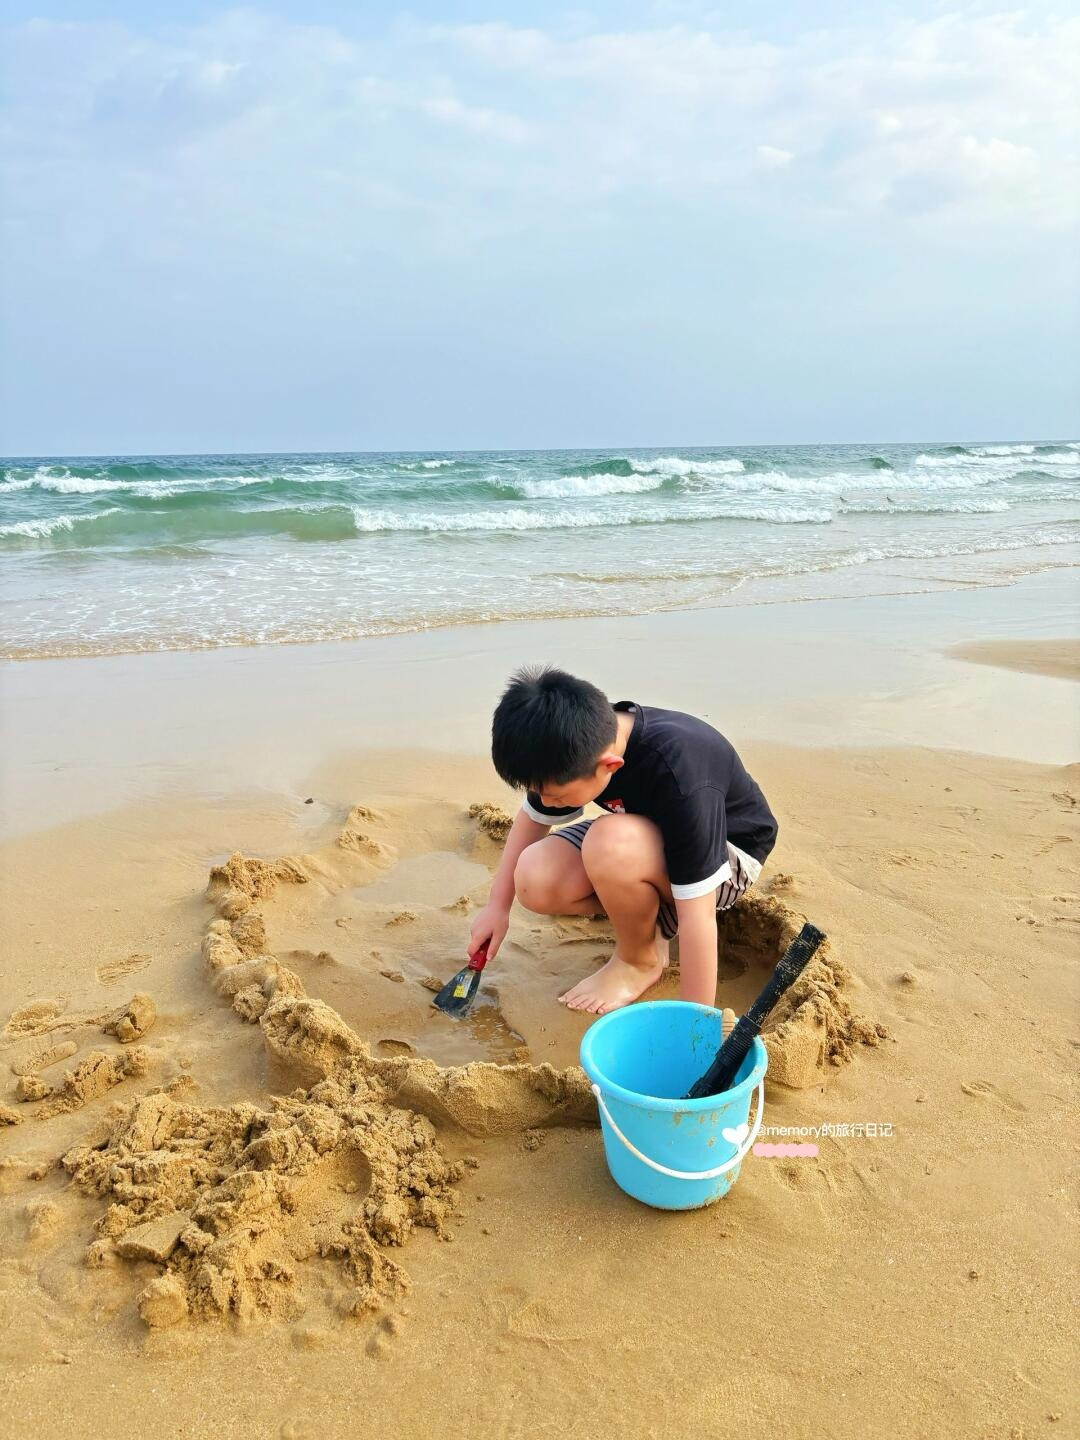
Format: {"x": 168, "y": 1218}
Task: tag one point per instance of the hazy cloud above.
{"x": 364, "y": 188}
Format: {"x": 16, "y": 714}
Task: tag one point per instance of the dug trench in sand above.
{"x": 230, "y": 1201}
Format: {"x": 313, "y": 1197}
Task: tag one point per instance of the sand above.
{"x": 231, "y": 1201}
{"x": 1058, "y": 658}
{"x": 258, "y": 1186}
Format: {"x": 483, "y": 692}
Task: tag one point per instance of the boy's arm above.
{"x": 697, "y": 948}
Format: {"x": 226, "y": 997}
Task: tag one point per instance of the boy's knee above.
{"x": 619, "y": 841}
{"x": 529, "y": 887}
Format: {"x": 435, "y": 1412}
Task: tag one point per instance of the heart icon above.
{"x": 737, "y": 1135}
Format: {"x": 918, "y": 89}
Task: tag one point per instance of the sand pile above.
{"x": 814, "y": 1026}
{"x": 230, "y": 1200}
{"x": 492, "y": 819}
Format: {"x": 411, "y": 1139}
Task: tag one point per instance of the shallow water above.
{"x": 135, "y": 552}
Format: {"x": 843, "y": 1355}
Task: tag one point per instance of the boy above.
{"x": 687, "y": 831}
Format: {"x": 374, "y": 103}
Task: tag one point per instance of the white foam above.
{"x": 921, "y": 552}
{"x": 569, "y": 487}
{"x": 999, "y": 464}
{"x": 929, "y": 506}
{"x": 43, "y": 478}
{"x": 518, "y": 519}
{"x": 676, "y": 465}
{"x": 41, "y": 529}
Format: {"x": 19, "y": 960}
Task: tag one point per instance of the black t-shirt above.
{"x": 686, "y": 777}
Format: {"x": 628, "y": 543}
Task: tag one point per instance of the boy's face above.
{"x": 580, "y": 792}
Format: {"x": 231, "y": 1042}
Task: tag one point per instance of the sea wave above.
{"x": 43, "y": 528}
{"x": 866, "y": 555}
{"x": 925, "y": 507}
{"x": 65, "y": 482}
{"x": 524, "y": 520}
{"x": 342, "y": 522}
{"x": 162, "y": 527}
{"x": 676, "y": 465}
{"x": 570, "y": 487}
{"x": 1000, "y": 462}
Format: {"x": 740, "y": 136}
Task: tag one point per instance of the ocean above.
{"x": 120, "y": 553}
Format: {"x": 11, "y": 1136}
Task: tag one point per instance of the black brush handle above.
{"x": 721, "y": 1073}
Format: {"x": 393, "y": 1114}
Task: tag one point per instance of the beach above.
{"x": 410, "y": 1245}
{"x": 399, "y": 403}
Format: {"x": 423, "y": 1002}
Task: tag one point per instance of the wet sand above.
{"x": 907, "y": 1281}
{"x": 1057, "y": 658}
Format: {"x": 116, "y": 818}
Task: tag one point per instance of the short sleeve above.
{"x": 694, "y": 830}
{"x": 544, "y": 815}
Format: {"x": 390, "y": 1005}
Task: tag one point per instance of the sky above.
{"x": 330, "y": 226}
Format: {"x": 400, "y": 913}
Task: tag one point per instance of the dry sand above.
{"x": 267, "y": 1213}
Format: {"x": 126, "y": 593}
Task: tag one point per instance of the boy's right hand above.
{"x": 491, "y": 924}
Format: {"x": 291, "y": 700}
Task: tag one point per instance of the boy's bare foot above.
{"x": 616, "y": 983}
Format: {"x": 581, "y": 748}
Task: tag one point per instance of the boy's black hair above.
{"x": 550, "y": 728}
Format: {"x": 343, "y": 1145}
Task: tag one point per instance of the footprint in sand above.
{"x": 388, "y": 1328}
{"x": 390, "y": 1046}
{"x": 986, "y": 1090}
{"x": 35, "y": 1018}
{"x": 110, "y": 971}
{"x": 31, "y": 1061}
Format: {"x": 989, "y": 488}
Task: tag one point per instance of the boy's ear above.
{"x": 612, "y": 762}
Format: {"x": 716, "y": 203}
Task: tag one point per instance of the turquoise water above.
{"x": 133, "y": 552}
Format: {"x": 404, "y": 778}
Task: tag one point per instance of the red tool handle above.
{"x": 480, "y": 959}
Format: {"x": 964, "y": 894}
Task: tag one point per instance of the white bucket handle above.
{"x": 736, "y": 1159}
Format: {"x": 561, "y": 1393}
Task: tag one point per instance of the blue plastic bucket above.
{"x": 669, "y": 1152}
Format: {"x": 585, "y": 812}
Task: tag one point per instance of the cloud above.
{"x": 479, "y": 120}
{"x": 961, "y": 115}
{"x": 326, "y": 202}
{"x": 775, "y": 158}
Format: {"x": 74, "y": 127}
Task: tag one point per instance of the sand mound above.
{"x": 133, "y": 1020}
{"x": 257, "y": 879}
{"x": 814, "y": 1026}
{"x": 93, "y": 1076}
{"x": 481, "y": 1098}
{"x": 241, "y": 1195}
{"x": 492, "y": 819}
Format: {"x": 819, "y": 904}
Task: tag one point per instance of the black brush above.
{"x": 457, "y": 995}
{"x": 721, "y": 1073}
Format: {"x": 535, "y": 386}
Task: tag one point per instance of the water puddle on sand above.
{"x": 402, "y": 1019}
{"x": 437, "y": 878}
{"x": 482, "y": 1035}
